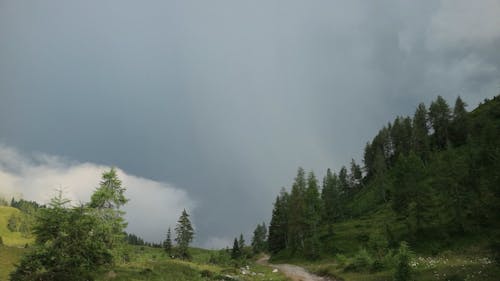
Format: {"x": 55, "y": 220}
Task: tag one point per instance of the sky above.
{"x": 212, "y": 106}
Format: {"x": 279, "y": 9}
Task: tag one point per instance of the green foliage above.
{"x": 235, "y": 251}
{"x": 403, "y": 269}
{"x": 430, "y": 180}
{"x": 68, "y": 244}
{"x": 167, "y": 244}
{"x": 184, "y": 235}
{"x": 221, "y": 257}
{"x": 297, "y": 213}
{"x": 278, "y": 228}
{"x": 330, "y": 198}
{"x": 440, "y": 117}
{"x": 312, "y": 218}
{"x": 259, "y": 241}
{"x": 105, "y": 203}
{"x": 420, "y": 134}
{"x": 71, "y": 242}
{"x": 362, "y": 261}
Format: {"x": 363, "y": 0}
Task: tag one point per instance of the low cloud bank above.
{"x": 153, "y": 205}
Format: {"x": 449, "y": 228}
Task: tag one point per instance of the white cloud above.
{"x": 464, "y": 23}
{"x": 153, "y": 205}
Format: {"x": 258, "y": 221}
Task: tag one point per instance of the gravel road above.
{"x": 295, "y": 273}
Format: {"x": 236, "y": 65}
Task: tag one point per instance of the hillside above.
{"x": 13, "y": 239}
{"x": 429, "y": 181}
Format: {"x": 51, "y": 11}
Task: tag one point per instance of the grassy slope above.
{"x": 466, "y": 258}
{"x": 8, "y": 257}
{"x": 12, "y": 250}
{"x": 14, "y": 239}
{"x": 154, "y": 265}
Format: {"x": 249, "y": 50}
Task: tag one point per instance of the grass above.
{"x": 144, "y": 263}
{"x": 14, "y": 239}
{"x": 452, "y": 266}
{"x": 8, "y": 257}
{"x": 463, "y": 258}
{"x": 154, "y": 265}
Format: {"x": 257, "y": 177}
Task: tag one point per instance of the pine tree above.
{"x": 110, "y": 194}
{"x": 106, "y": 201}
{"x": 241, "y": 241}
{"x": 71, "y": 242}
{"x": 344, "y": 182}
{"x": 401, "y": 136}
{"x": 355, "y": 176}
{"x": 460, "y": 124}
{"x": 297, "y": 213}
{"x": 412, "y": 197}
{"x": 344, "y": 190}
{"x": 167, "y": 245}
{"x": 184, "y": 235}
{"x": 439, "y": 117}
{"x": 330, "y": 198}
{"x": 420, "y": 135}
{"x": 313, "y": 217}
{"x": 259, "y": 239}
{"x": 403, "y": 268}
{"x": 451, "y": 177}
{"x": 236, "y": 251}
{"x": 278, "y": 228}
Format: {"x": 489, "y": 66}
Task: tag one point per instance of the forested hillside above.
{"x": 432, "y": 180}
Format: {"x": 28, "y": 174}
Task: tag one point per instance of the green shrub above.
{"x": 341, "y": 260}
{"x": 403, "y": 258}
{"x": 377, "y": 265}
{"x": 360, "y": 262}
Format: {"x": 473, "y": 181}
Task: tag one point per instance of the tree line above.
{"x": 437, "y": 172}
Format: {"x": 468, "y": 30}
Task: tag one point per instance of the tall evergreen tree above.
{"x": 167, "y": 245}
{"x": 344, "y": 182}
{"x": 401, "y": 134}
{"x": 330, "y": 198}
{"x": 184, "y": 235}
{"x": 460, "y": 124}
{"x": 259, "y": 239}
{"x": 344, "y": 191}
{"x": 355, "y": 176}
{"x": 439, "y": 117}
{"x": 297, "y": 213}
{"x": 368, "y": 157}
{"x": 420, "y": 135}
{"x": 236, "y": 250}
{"x": 313, "y": 217}
{"x": 451, "y": 177}
{"x": 278, "y": 228}
{"x": 106, "y": 202}
{"x": 412, "y": 197}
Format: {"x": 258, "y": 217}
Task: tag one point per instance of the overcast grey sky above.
{"x": 221, "y": 101}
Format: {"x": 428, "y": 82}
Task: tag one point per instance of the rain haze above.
{"x": 212, "y": 105}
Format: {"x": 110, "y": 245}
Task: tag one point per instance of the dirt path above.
{"x": 295, "y": 273}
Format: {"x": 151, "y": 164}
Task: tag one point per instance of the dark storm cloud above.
{"x": 227, "y": 98}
